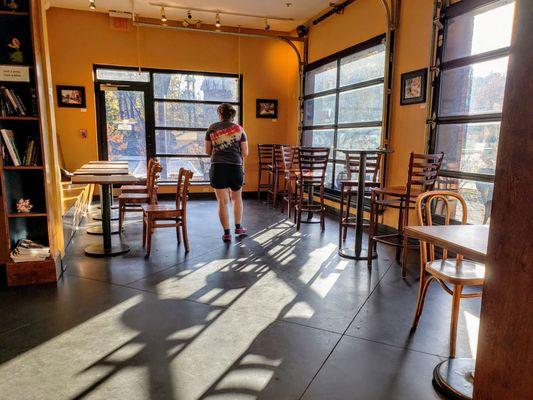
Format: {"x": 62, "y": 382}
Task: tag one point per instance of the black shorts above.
{"x": 224, "y": 176}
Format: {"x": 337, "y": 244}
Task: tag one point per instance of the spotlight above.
{"x": 185, "y": 23}
{"x": 163, "y": 16}
{"x": 267, "y": 26}
{"x": 92, "y": 5}
{"x": 217, "y": 21}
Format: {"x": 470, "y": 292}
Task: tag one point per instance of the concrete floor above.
{"x": 277, "y": 315}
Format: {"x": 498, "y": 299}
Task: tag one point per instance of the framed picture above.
{"x": 70, "y": 96}
{"x": 267, "y": 108}
{"x": 414, "y": 87}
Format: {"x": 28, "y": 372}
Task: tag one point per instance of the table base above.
{"x": 98, "y": 250}
{"x": 454, "y": 378}
{"x": 363, "y": 255}
{"x": 98, "y": 217}
{"x": 97, "y": 230}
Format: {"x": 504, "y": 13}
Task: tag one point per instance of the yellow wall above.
{"x": 363, "y": 20}
{"x": 79, "y": 39}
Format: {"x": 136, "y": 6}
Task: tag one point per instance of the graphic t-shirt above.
{"x": 226, "y": 138}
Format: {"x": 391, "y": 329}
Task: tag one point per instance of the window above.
{"x": 468, "y": 98}
{"x": 179, "y": 107}
{"x": 343, "y": 103}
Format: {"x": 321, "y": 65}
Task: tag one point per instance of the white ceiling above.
{"x": 300, "y": 10}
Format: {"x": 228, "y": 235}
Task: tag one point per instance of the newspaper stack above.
{"x": 28, "y": 250}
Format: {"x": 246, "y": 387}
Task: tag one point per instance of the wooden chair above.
{"x": 140, "y": 188}
{"x": 290, "y": 162}
{"x": 456, "y": 272}
{"x": 421, "y": 177}
{"x": 266, "y": 155}
{"x": 312, "y": 164}
{"x": 132, "y": 202}
{"x": 349, "y": 188}
{"x": 169, "y": 216}
{"x": 275, "y": 173}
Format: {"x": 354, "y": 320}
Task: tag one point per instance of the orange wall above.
{"x": 79, "y": 39}
{"x": 363, "y": 20}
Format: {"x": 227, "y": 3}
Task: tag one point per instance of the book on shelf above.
{"x": 28, "y": 250}
{"x": 11, "y": 104}
{"x": 30, "y": 154}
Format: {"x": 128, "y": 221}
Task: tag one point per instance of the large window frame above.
{"x": 151, "y": 101}
{"x": 441, "y": 67}
{"x": 337, "y": 162}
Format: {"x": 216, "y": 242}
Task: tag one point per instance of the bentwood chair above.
{"x": 350, "y": 185}
{"x": 456, "y": 272}
{"x": 421, "y": 177}
{"x": 169, "y": 216}
{"x": 132, "y": 202}
{"x": 140, "y": 188}
{"x": 311, "y": 174}
{"x": 266, "y": 155}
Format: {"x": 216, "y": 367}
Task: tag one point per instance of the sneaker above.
{"x": 242, "y": 231}
{"x": 226, "y": 238}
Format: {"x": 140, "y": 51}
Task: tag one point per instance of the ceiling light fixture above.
{"x": 217, "y": 21}
{"x": 267, "y": 26}
{"x": 92, "y": 4}
{"x": 163, "y": 16}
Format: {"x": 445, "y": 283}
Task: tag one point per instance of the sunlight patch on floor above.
{"x": 472, "y": 328}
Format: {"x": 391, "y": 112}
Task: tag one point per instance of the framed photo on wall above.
{"x": 414, "y": 87}
{"x": 267, "y": 108}
{"x": 71, "y": 96}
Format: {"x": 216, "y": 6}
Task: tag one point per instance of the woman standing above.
{"x": 227, "y": 145}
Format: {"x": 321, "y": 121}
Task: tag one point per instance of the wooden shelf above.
{"x": 19, "y": 118}
{"x": 27, "y": 215}
{"x": 17, "y": 13}
{"x": 22, "y": 167}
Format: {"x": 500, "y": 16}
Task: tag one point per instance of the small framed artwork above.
{"x": 414, "y": 87}
{"x": 70, "y": 96}
{"x": 267, "y": 108}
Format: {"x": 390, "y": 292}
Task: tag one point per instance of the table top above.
{"x": 468, "y": 240}
{"x": 366, "y": 151}
{"x": 107, "y": 162}
{"x": 106, "y": 173}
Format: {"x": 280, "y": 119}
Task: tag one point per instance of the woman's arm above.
{"x": 208, "y": 147}
{"x": 244, "y": 149}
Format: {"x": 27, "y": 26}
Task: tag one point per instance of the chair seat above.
{"x": 463, "y": 272}
{"x": 127, "y": 188}
{"x": 155, "y": 208}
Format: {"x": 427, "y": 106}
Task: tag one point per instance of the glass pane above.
{"x": 329, "y": 176}
{"x": 179, "y": 142}
{"x": 363, "y": 66}
{"x": 358, "y": 138}
{"x": 320, "y": 111}
{"x": 321, "y": 79}
{"x": 186, "y": 115}
{"x": 125, "y": 126}
{"x": 478, "y": 197}
{"x": 199, "y": 166}
{"x": 473, "y": 89}
{"x": 361, "y": 105}
{"x": 478, "y": 31}
{"x": 318, "y": 138}
{"x": 196, "y": 87}
{"x": 122, "y": 75}
{"x": 469, "y": 147}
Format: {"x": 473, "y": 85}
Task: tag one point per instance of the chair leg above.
{"x": 322, "y": 208}
{"x": 178, "y": 232}
{"x": 144, "y": 229}
{"x": 456, "y": 300}
{"x": 345, "y": 231}
{"x": 371, "y": 228}
{"x": 149, "y": 231}
{"x": 341, "y": 218}
{"x": 275, "y": 190}
{"x": 259, "y": 183}
{"x": 121, "y": 206}
{"x": 405, "y": 255}
{"x": 185, "y": 234}
{"x": 422, "y": 291}
{"x": 299, "y": 208}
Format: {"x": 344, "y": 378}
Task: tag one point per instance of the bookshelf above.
{"x": 22, "y": 175}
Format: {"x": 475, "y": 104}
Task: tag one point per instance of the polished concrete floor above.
{"x": 276, "y": 315}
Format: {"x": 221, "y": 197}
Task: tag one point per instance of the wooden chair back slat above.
{"x": 151, "y": 185}
{"x": 423, "y": 172}
{"x": 372, "y": 166}
{"x": 312, "y": 162}
{"x": 265, "y": 153}
{"x": 182, "y": 188}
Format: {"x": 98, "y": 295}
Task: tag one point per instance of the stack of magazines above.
{"x": 28, "y": 250}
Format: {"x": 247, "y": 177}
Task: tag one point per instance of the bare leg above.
{"x": 236, "y": 198}
{"x": 223, "y": 200}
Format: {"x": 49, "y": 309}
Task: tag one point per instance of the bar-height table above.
{"x": 359, "y": 253}
{"x": 115, "y": 174}
{"x": 455, "y": 376}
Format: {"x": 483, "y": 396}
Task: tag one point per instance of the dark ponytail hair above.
{"x": 226, "y": 112}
